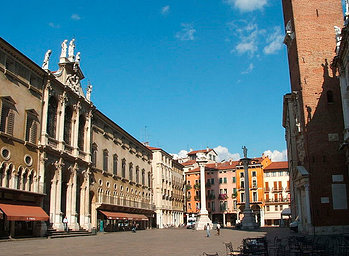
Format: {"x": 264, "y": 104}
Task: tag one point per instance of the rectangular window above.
{"x": 242, "y": 197}
{"x": 234, "y": 179}
{"x": 220, "y": 180}
{"x": 212, "y": 181}
{"x": 254, "y": 174}
{"x": 225, "y": 179}
{"x": 105, "y": 160}
{"x": 213, "y": 206}
{"x": 267, "y": 208}
{"x": 115, "y": 164}
{"x": 241, "y": 174}
{"x": 276, "y": 207}
{"x": 254, "y": 197}
{"x": 7, "y": 118}
{"x": 254, "y": 183}
{"x": 31, "y": 128}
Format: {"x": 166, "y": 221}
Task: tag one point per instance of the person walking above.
{"x": 218, "y": 229}
{"x": 208, "y": 234}
{"x": 65, "y": 224}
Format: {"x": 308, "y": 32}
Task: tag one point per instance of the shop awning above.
{"x": 123, "y": 216}
{"x": 23, "y": 212}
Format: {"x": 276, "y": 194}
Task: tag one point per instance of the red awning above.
{"x": 23, "y": 212}
{"x": 123, "y": 216}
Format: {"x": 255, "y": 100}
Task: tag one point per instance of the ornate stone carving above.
{"x": 77, "y": 106}
{"x": 46, "y": 60}
{"x": 63, "y": 98}
{"x": 289, "y": 36}
{"x": 73, "y": 81}
{"x": 59, "y": 164}
{"x": 338, "y": 32}
{"x": 77, "y": 58}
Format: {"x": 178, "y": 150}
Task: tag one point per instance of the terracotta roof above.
{"x": 153, "y": 148}
{"x": 190, "y": 162}
{"x": 277, "y": 165}
{"x": 199, "y": 151}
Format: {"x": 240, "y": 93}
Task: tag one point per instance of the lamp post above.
{"x": 203, "y": 218}
{"x": 248, "y": 221}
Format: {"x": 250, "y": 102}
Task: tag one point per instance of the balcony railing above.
{"x": 197, "y": 186}
{"x": 280, "y": 189}
{"x": 222, "y": 196}
{"x": 52, "y": 142}
{"x": 124, "y": 202}
{"x": 277, "y": 200}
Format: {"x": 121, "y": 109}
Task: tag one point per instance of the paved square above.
{"x": 144, "y": 242}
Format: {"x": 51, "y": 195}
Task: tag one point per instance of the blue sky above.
{"x": 195, "y": 73}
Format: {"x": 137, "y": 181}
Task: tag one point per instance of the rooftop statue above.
{"x": 71, "y": 50}
{"x": 46, "y": 60}
{"x": 64, "y": 49}
{"x": 77, "y": 58}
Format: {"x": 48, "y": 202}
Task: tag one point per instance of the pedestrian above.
{"x": 134, "y": 227}
{"x": 65, "y": 223}
{"x": 218, "y": 229}
{"x": 208, "y": 230}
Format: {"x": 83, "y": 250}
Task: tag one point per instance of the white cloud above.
{"x": 165, "y": 10}
{"x": 187, "y": 32}
{"x": 181, "y": 154}
{"x": 248, "y": 70}
{"x": 75, "y": 17}
{"x": 246, "y": 5}
{"x": 274, "y": 41}
{"x": 276, "y": 155}
{"x": 248, "y": 35}
{"x": 53, "y": 25}
{"x": 224, "y": 154}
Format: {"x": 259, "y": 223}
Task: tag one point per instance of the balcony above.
{"x": 197, "y": 186}
{"x": 124, "y": 202}
{"x": 277, "y": 200}
{"x": 222, "y": 196}
{"x": 254, "y": 187}
{"x": 241, "y": 188}
{"x": 266, "y": 190}
{"x": 276, "y": 190}
{"x": 197, "y": 198}
{"x": 52, "y": 142}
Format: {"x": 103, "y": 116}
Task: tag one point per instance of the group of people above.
{"x": 208, "y": 229}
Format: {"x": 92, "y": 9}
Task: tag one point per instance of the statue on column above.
{"x": 71, "y": 50}
{"x": 338, "y": 32}
{"x": 46, "y": 60}
{"x": 88, "y": 92}
{"x": 64, "y": 49}
{"x": 245, "y": 151}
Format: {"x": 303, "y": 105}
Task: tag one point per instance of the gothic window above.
{"x": 115, "y": 164}
{"x": 67, "y": 125}
{"x": 52, "y": 117}
{"x": 137, "y": 174}
{"x": 105, "y": 160}
{"x": 130, "y": 172}
{"x": 81, "y": 134}
{"x": 149, "y": 180}
{"x": 143, "y": 177}
{"x": 94, "y": 154}
{"x": 123, "y": 168}
{"x": 7, "y": 115}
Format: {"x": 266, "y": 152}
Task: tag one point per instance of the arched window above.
{"x": 330, "y": 98}
{"x": 67, "y": 125}
{"x": 52, "y": 117}
{"x": 137, "y": 174}
{"x": 143, "y": 177}
{"x": 81, "y": 135}
{"x": 130, "y": 172}
{"x": 94, "y": 154}
{"x": 123, "y": 168}
{"x": 115, "y": 164}
{"x": 105, "y": 160}
{"x": 149, "y": 179}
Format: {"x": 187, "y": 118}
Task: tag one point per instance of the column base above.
{"x": 248, "y": 222}
{"x": 58, "y": 226}
{"x": 202, "y": 220}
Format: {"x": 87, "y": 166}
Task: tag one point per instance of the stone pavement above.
{"x": 145, "y": 242}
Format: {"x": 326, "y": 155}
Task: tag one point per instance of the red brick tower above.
{"x": 310, "y": 39}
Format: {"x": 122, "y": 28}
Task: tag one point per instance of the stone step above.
{"x": 70, "y": 233}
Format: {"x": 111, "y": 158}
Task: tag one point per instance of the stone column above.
{"x": 53, "y": 199}
{"x": 73, "y": 219}
{"x": 58, "y": 214}
{"x": 75, "y": 128}
{"x": 248, "y": 221}
{"x": 87, "y": 140}
{"x": 41, "y": 172}
{"x": 223, "y": 219}
{"x": 87, "y": 214}
{"x": 46, "y": 98}
{"x": 60, "y": 120}
{"x": 307, "y": 205}
{"x": 203, "y": 218}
